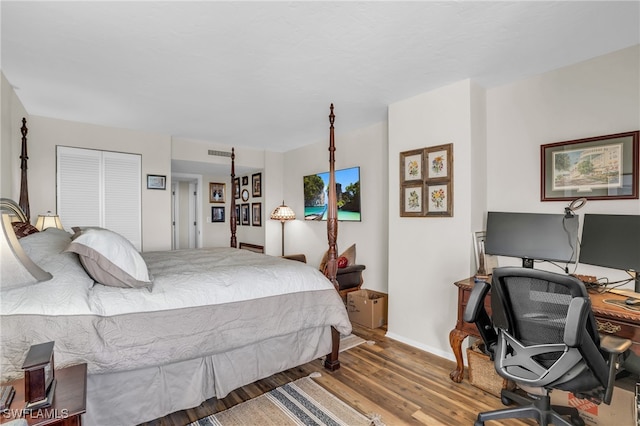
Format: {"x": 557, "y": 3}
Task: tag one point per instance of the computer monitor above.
{"x": 612, "y": 241}
{"x": 532, "y": 236}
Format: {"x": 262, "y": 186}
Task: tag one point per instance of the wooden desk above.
{"x": 69, "y": 400}
{"x": 611, "y": 319}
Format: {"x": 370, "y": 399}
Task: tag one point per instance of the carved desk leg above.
{"x": 455, "y": 340}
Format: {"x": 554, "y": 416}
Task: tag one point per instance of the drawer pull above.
{"x": 607, "y": 327}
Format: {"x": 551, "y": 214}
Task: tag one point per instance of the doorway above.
{"x": 186, "y": 212}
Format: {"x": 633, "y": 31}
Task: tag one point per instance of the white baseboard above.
{"x": 443, "y": 354}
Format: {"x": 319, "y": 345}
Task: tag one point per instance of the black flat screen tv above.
{"x": 347, "y": 191}
{"x": 532, "y": 236}
{"x": 612, "y": 241}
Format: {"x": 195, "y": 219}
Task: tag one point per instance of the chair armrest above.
{"x": 475, "y": 304}
{"x": 476, "y": 313}
{"x": 350, "y": 268}
{"x": 614, "y": 345}
{"x": 575, "y": 327}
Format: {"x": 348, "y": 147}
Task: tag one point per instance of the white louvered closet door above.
{"x": 100, "y": 188}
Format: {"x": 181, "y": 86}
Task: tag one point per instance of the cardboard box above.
{"x": 367, "y": 308}
{"x": 621, "y": 411}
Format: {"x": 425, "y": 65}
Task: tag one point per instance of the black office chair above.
{"x": 543, "y": 336}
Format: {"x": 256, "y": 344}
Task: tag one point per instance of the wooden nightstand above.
{"x": 69, "y": 400}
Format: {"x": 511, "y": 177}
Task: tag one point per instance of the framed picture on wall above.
{"x": 237, "y": 214}
{"x": 256, "y": 184}
{"x": 236, "y": 188}
{"x": 411, "y": 200}
{"x": 256, "y": 214}
{"x": 411, "y": 165}
{"x": 439, "y": 199}
{"x": 597, "y": 168}
{"x": 245, "y": 214}
{"x": 217, "y": 214}
{"x": 245, "y": 180}
{"x": 216, "y": 192}
{"x": 156, "y": 182}
{"x": 439, "y": 161}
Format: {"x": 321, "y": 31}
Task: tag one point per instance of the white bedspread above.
{"x": 203, "y": 302}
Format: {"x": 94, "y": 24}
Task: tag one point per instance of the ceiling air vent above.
{"x": 219, "y": 153}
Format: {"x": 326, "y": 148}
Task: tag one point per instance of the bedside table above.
{"x": 69, "y": 400}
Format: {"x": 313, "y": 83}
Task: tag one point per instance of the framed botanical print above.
{"x": 426, "y": 181}
{"x": 411, "y": 166}
{"x": 439, "y": 161}
{"x": 438, "y": 199}
{"x": 411, "y": 200}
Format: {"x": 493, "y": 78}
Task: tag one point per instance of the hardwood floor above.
{"x": 402, "y": 384}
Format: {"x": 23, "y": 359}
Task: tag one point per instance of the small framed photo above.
{"x": 217, "y": 214}
{"x": 256, "y": 214}
{"x": 236, "y": 188}
{"x": 598, "y": 168}
{"x": 237, "y": 214}
{"x": 411, "y": 166}
{"x": 216, "y": 192}
{"x": 256, "y": 184}
{"x": 156, "y": 182}
{"x": 439, "y": 161}
{"x": 245, "y": 180}
{"x": 411, "y": 201}
{"x": 244, "y": 214}
{"x": 439, "y": 199}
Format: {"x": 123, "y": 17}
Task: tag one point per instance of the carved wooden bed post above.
{"x": 332, "y": 209}
{"x": 24, "y": 187}
{"x": 232, "y": 215}
{"x": 332, "y": 362}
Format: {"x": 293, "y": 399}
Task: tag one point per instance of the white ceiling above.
{"x": 262, "y": 74}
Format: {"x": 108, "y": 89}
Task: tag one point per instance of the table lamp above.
{"x": 48, "y": 220}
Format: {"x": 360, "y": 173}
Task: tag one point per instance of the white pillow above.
{"x": 111, "y": 259}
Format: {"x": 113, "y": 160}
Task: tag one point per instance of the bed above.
{"x": 199, "y": 325}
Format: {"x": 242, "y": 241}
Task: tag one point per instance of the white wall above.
{"x": 366, "y": 148}
{"x": 428, "y": 254}
{"x": 597, "y": 97}
{"x": 497, "y": 136}
{"x": 12, "y": 112}
{"x": 46, "y": 133}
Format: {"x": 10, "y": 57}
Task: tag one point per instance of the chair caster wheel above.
{"x": 577, "y": 421}
{"x": 505, "y": 400}
{"x": 478, "y": 423}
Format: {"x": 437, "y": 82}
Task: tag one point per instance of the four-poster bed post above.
{"x": 332, "y": 362}
{"x": 24, "y": 188}
{"x": 232, "y": 215}
{"x": 332, "y": 208}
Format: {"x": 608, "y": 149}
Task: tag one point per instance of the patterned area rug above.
{"x": 350, "y": 341}
{"x": 302, "y": 402}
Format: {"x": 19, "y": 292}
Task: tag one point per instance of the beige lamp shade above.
{"x": 48, "y": 220}
{"x": 283, "y": 213}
